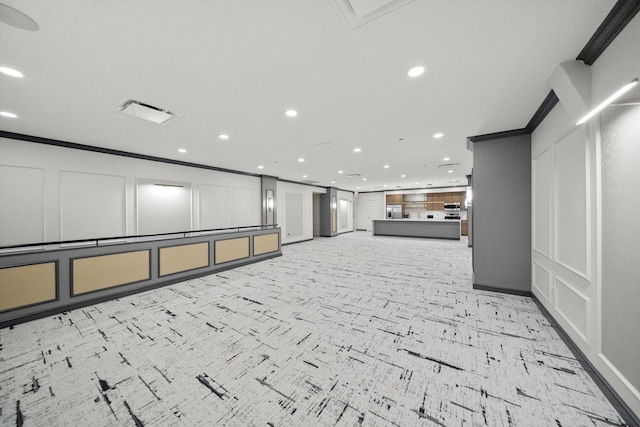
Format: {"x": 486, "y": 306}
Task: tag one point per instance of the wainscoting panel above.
{"x": 91, "y": 205}
{"x": 573, "y": 306}
{"x": 541, "y": 199}
{"x": 22, "y": 207}
{"x": 106, "y": 271}
{"x": 174, "y": 259}
{"x": 27, "y": 285}
{"x": 214, "y": 206}
{"x": 231, "y": 250}
{"x": 542, "y": 280}
{"x": 265, "y": 243}
{"x": 571, "y": 216}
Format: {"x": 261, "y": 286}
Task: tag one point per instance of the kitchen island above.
{"x": 427, "y": 228}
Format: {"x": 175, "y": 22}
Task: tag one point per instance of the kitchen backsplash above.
{"x": 416, "y": 213}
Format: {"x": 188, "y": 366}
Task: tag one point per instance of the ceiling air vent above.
{"x": 353, "y": 175}
{"x": 145, "y": 111}
{"x": 449, "y": 166}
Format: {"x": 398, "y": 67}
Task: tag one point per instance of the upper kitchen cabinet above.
{"x": 395, "y": 199}
{"x": 436, "y": 201}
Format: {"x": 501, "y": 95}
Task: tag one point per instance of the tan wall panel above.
{"x": 265, "y": 243}
{"x": 27, "y": 284}
{"x": 184, "y": 257}
{"x": 106, "y": 271}
{"x": 232, "y": 249}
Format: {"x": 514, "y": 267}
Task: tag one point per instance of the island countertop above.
{"x": 422, "y": 227}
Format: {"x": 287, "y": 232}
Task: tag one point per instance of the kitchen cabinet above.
{"x": 395, "y": 199}
{"x": 435, "y": 201}
{"x": 464, "y": 229}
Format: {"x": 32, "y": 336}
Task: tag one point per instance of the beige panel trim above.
{"x": 265, "y": 243}
{"x": 175, "y": 259}
{"x": 232, "y": 249}
{"x": 106, "y": 271}
{"x": 27, "y": 284}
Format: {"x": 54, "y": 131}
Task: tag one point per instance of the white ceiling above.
{"x": 235, "y": 66}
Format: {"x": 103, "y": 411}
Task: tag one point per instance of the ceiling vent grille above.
{"x": 353, "y": 175}
{"x": 145, "y": 111}
{"x": 449, "y": 166}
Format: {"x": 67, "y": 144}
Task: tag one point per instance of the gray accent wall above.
{"x": 502, "y": 214}
{"x": 269, "y": 183}
{"x": 327, "y": 218}
{"x": 620, "y": 145}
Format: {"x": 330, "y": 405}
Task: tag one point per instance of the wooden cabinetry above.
{"x": 464, "y": 228}
{"x": 395, "y": 199}
{"x": 436, "y": 201}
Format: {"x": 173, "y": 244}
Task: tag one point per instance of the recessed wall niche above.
{"x": 163, "y": 206}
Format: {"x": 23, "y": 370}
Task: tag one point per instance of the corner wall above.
{"x": 502, "y": 214}
{"x": 585, "y": 246}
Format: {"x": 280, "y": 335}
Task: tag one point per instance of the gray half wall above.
{"x": 502, "y": 213}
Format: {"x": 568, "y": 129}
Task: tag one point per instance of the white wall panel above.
{"x": 369, "y": 206}
{"x": 21, "y": 205}
{"x": 214, "y": 206}
{"x": 91, "y": 205}
{"x": 542, "y": 280}
{"x": 571, "y": 216}
{"x": 294, "y": 214}
{"x": 573, "y": 306}
{"x": 541, "y": 171}
{"x": 163, "y": 206}
{"x": 246, "y": 207}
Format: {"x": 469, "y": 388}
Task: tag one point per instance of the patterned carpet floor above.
{"x": 347, "y": 331}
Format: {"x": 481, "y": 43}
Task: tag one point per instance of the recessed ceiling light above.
{"x": 8, "y": 114}
{"x": 446, "y": 159}
{"x": 357, "y": 188}
{"x": 304, "y": 176}
{"x": 364, "y": 179}
{"x": 340, "y": 171}
{"x": 182, "y": 150}
{"x": 333, "y": 182}
{"x": 386, "y": 166}
{"x": 450, "y": 171}
{"x": 301, "y": 160}
{"x": 291, "y": 113}
{"x": 415, "y": 71}
{"x": 357, "y": 150}
{"x": 438, "y": 135}
{"x": 11, "y": 72}
{"x": 416, "y": 183}
{"x": 260, "y": 167}
{"x": 223, "y": 136}
{"x": 402, "y": 176}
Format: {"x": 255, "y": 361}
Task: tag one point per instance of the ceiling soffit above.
{"x": 361, "y": 12}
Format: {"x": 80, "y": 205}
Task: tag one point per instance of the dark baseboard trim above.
{"x": 502, "y": 290}
{"x": 76, "y": 305}
{"x": 300, "y": 241}
{"x": 623, "y": 409}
